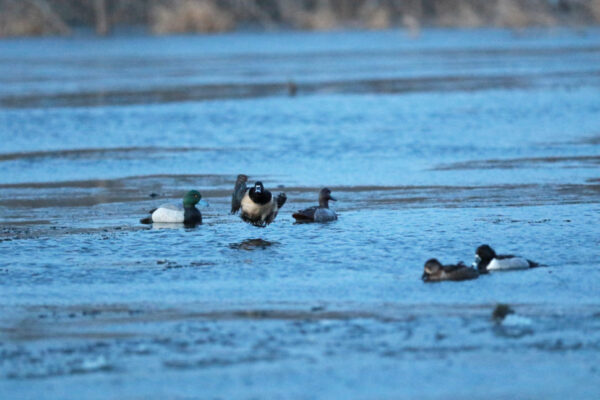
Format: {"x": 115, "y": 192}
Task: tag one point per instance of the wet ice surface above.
{"x": 432, "y": 147}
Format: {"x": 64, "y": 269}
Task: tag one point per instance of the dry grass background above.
{"x": 44, "y": 17}
{"x": 190, "y": 16}
{"x": 29, "y": 17}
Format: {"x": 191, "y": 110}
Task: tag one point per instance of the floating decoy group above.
{"x": 486, "y": 260}
{"x": 258, "y": 207}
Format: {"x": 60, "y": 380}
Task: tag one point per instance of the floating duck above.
{"x": 258, "y": 206}
{"x": 486, "y": 260}
{"x": 434, "y": 271}
{"x": 176, "y": 214}
{"x": 320, "y": 213}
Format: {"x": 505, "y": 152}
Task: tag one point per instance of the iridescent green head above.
{"x": 191, "y": 198}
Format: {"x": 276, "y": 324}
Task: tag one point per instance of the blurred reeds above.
{"x": 52, "y": 17}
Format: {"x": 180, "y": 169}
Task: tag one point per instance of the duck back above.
{"x": 306, "y": 215}
{"x": 324, "y": 215}
{"x": 168, "y": 213}
{"x": 508, "y": 263}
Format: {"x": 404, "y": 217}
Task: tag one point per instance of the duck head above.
{"x": 259, "y": 188}
{"x": 432, "y": 267}
{"x": 191, "y": 198}
{"x": 258, "y": 194}
{"x": 483, "y": 255}
{"x": 324, "y": 197}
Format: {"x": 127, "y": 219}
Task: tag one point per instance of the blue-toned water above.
{"x": 432, "y": 146}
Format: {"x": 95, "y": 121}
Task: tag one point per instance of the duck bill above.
{"x": 203, "y": 203}
{"x": 332, "y": 198}
{"x": 476, "y": 261}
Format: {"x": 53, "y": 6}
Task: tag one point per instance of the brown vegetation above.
{"x": 29, "y": 18}
{"x": 180, "y": 16}
{"x": 595, "y": 9}
{"x": 39, "y": 17}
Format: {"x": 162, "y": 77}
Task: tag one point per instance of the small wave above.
{"x": 512, "y": 163}
{"x": 101, "y": 152}
{"x": 207, "y": 92}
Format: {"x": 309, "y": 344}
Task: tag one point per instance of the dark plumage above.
{"x": 191, "y": 216}
{"x": 434, "y": 271}
{"x": 259, "y": 194}
{"x": 281, "y": 199}
{"x": 501, "y": 311}
{"x": 239, "y": 190}
{"x": 320, "y": 213}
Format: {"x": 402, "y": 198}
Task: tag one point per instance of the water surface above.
{"x": 432, "y": 146}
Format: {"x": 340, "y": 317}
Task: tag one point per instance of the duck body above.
{"x": 187, "y": 214}
{"x": 434, "y": 271}
{"x": 315, "y": 214}
{"x": 168, "y": 213}
{"x": 487, "y": 260}
{"x": 258, "y": 206}
{"x": 173, "y": 214}
{"x": 508, "y": 262}
{"x": 320, "y": 213}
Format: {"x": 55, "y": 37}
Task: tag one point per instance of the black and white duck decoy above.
{"x": 175, "y": 214}
{"x": 486, "y": 260}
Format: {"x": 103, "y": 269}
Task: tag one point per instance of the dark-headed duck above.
{"x": 258, "y": 206}
{"x": 320, "y": 213}
{"x": 434, "y": 271}
{"x": 486, "y": 260}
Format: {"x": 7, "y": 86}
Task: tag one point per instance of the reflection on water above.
{"x": 173, "y": 225}
{"x": 432, "y": 146}
{"x": 252, "y": 244}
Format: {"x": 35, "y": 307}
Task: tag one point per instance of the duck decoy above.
{"x": 434, "y": 271}
{"x": 320, "y": 213}
{"x": 189, "y": 215}
{"x": 486, "y": 260}
{"x": 258, "y": 205}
